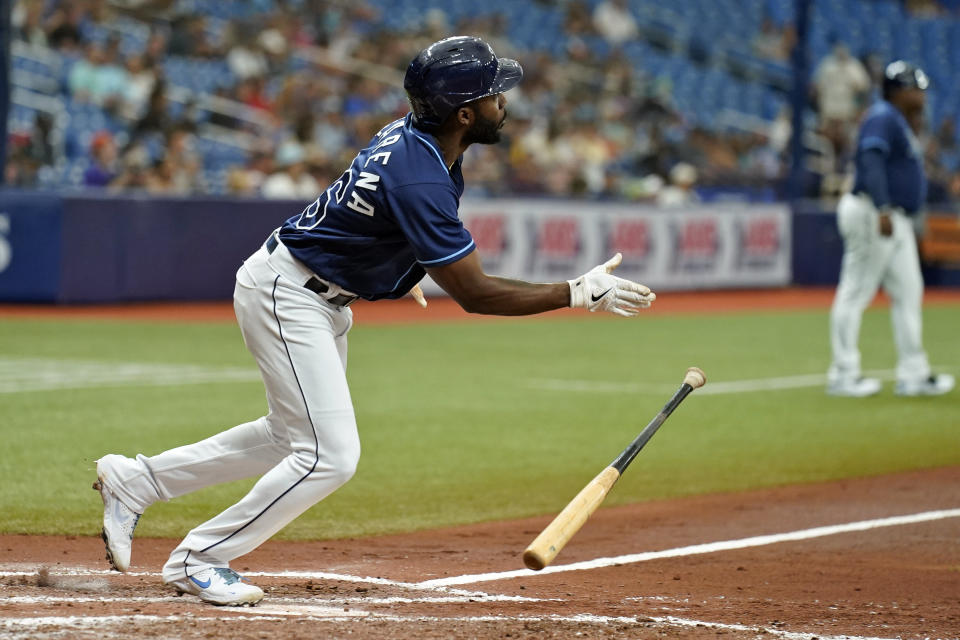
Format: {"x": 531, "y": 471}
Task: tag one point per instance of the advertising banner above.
{"x": 695, "y": 247}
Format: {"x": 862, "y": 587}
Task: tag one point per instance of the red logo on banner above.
{"x": 559, "y": 237}
{"x": 488, "y": 233}
{"x": 698, "y": 238}
{"x": 631, "y": 238}
{"x": 761, "y": 237}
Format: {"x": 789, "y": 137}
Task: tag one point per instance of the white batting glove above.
{"x": 599, "y": 290}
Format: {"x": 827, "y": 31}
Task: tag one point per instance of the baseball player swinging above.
{"x": 879, "y": 242}
{"x": 389, "y": 219}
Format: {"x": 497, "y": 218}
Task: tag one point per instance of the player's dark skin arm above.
{"x": 477, "y": 292}
{"x": 465, "y": 280}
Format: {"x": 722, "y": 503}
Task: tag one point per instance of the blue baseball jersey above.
{"x": 889, "y": 160}
{"x": 392, "y": 213}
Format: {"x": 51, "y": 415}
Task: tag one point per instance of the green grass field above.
{"x": 464, "y": 422}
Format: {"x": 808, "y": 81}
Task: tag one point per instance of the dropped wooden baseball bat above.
{"x": 551, "y": 540}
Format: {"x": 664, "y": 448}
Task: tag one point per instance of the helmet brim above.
{"x": 509, "y": 75}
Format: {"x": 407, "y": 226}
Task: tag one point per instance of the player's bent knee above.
{"x": 333, "y": 465}
{"x": 342, "y": 464}
{"x": 343, "y": 470}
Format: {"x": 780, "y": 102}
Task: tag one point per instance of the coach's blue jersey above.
{"x": 899, "y": 180}
{"x": 392, "y": 213}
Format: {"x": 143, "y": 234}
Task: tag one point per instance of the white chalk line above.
{"x": 338, "y": 600}
{"x": 697, "y": 549}
{"x": 445, "y": 584}
{"x": 19, "y": 375}
{"x": 722, "y": 387}
{"x": 321, "y": 615}
{"x": 306, "y": 575}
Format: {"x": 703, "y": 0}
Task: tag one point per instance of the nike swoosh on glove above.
{"x": 599, "y": 290}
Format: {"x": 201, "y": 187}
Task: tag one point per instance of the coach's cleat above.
{"x": 119, "y": 521}
{"x": 935, "y": 385}
{"x": 219, "y": 586}
{"x": 854, "y": 388}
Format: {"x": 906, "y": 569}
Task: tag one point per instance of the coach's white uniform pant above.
{"x": 305, "y": 447}
{"x": 869, "y": 261}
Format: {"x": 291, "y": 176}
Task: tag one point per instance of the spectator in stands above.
{"x": 841, "y": 84}
{"x": 188, "y": 37}
{"x": 83, "y": 75}
{"x": 182, "y": 165}
{"x": 780, "y": 131}
{"x": 760, "y": 160}
{"x": 101, "y": 12}
{"x": 155, "y": 50}
{"x": 133, "y": 170}
{"x": 156, "y": 119}
{"x": 612, "y": 20}
{"x": 251, "y": 92}
{"x": 27, "y": 22}
{"x": 680, "y": 191}
{"x": 40, "y": 146}
{"x": 20, "y": 169}
{"x": 245, "y": 57}
{"x": 32, "y": 146}
{"x": 292, "y": 179}
{"x": 63, "y": 26}
{"x": 923, "y": 8}
{"x": 112, "y": 78}
{"x": 98, "y": 78}
{"x": 577, "y": 21}
{"x": 159, "y": 179}
{"x": 274, "y": 44}
{"x": 248, "y": 180}
{"x": 103, "y": 167}
{"x": 141, "y": 79}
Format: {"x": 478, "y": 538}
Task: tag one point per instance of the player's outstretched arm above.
{"x": 597, "y": 289}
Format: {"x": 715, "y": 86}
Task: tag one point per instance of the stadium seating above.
{"x": 702, "y": 48}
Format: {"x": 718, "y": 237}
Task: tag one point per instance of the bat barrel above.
{"x": 551, "y": 540}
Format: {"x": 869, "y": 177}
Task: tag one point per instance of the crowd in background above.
{"x": 580, "y": 124}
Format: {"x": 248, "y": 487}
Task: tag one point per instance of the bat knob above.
{"x": 534, "y": 560}
{"x": 695, "y": 377}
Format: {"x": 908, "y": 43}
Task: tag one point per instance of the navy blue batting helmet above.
{"x": 453, "y": 72}
{"x": 903, "y": 75}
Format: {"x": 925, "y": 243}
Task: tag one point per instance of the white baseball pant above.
{"x": 869, "y": 261}
{"x": 305, "y": 447}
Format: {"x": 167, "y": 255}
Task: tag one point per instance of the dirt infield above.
{"x": 406, "y": 311}
{"x": 816, "y": 561}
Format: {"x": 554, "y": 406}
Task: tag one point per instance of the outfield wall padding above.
{"x": 80, "y": 249}
{"x": 91, "y": 249}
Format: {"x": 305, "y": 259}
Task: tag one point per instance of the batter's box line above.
{"x": 698, "y": 549}
{"x": 445, "y": 584}
{"x": 290, "y": 600}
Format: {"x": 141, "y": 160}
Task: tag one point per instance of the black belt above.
{"x": 315, "y": 284}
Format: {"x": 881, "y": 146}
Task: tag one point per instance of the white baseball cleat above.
{"x": 119, "y": 521}
{"x": 935, "y": 385}
{"x": 854, "y": 388}
{"x": 220, "y": 586}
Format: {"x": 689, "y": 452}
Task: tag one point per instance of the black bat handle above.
{"x": 626, "y": 457}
